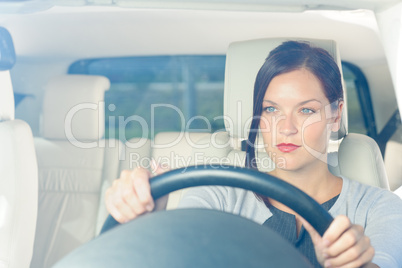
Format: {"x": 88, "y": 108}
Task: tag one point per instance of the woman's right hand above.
{"x": 130, "y": 195}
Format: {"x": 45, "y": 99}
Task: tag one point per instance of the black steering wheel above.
{"x": 201, "y": 237}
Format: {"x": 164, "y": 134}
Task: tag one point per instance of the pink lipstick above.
{"x": 287, "y": 147}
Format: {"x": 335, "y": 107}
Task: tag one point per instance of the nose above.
{"x": 287, "y": 126}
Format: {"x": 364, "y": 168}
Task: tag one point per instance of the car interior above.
{"x": 18, "y": 205}
{"x": 72, "y": 75}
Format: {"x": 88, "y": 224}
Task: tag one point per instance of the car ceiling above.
{"x": 113, "y": 31}
{"x": 10, "y": 6}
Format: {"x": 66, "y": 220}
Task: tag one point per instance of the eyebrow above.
{"x": 300, "y": 103}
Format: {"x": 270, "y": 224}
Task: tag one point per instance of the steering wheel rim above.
{"x": 181, "y": 238}
{"x": 239, "y": 177}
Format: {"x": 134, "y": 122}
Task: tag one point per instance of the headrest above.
{"x": 6, "y": 97}
{"x": 360, "y": 159}
{"x": 243, "y": 61}
{"x": 73, "y": 107}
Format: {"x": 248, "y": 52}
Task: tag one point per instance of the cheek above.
{"x": 316, "y": 134}
{"x": 265, "y": 123}
{"x": 266, "y": 129}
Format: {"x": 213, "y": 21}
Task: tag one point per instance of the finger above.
{"x": 317, "y": 241}
{"x": 339, "y": 225}
{"x": 125, "y": 197}
{"x": 119, "y": 210}
{"x": 124, "y": 175}
{"x": 122, "y": 201}
{"x": 120, "y": 214}
{"x": 141, "y": 201}
{"x": 157, "y": 169}
{"x": 315, "y": 236}
{"x": 354, "y": 257}
{"x": 347, "y": 240}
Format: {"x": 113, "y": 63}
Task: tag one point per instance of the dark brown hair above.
{"x": 287, "y": 57}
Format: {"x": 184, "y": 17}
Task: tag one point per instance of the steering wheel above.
{"x": 201, "y": 237}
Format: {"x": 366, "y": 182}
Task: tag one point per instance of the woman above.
{"x": 298, "y": 102}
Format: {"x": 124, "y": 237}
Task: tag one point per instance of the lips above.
{"x": 287, "y": 147}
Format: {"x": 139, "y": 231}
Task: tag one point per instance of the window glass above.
{"x": 174, "y": 93}
{"x": 355, "y": 115}
{"x": 160, "y": 93}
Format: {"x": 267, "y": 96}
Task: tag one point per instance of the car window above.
{"x": 355, "y": 115}
{"x": 360, "y": 110}
{"x": 159, "y": 93}
{"x": 155, "y": 94}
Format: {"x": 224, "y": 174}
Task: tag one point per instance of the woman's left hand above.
{"x": 342, "y": 245}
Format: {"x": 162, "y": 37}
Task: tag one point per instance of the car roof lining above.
{"x": 51, "y": 37}
{"x": 28, "y": 6}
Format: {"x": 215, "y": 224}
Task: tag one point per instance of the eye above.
{"x": 270, "y": 109}
{"x": 307, "y": 111}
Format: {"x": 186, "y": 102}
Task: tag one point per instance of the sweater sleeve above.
{"x": 231, "y": 200}
{"x": 384, "y": 228}
{"x": 210, "y": 197}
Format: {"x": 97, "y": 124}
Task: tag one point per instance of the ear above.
{"x": 337, "y": 120}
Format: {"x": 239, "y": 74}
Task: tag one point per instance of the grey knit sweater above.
{"x": 379, "y": 211}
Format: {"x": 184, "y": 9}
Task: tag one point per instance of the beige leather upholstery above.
{"x": 181, "y": 149}
{"x": 393, "y": 160}
{"x": 75, "y": 166}
{"x": 72, "y": 106}
{"x": 137, "y": 152}
{"x": 398, "y": 192}
{"x": 360, "y": 159}
{"x": 7, "y": 110}
{"x": 18, "y": 183}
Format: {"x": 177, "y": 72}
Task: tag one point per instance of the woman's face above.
{"x": 297, "y": 120}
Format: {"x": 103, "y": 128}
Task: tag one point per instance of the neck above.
{"x": 315, "y": 181}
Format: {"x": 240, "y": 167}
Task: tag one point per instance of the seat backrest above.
{"x": 393, "y": 160}
{"x": 176, "y": 150}
{"x": 18, "y": 183}
{"x": 358, "y": 157}
{"x": 72, "y": 171}
{"x": 135, "y": 152}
